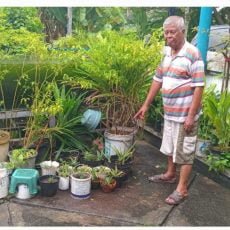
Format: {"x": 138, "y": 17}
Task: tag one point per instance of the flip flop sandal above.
{"x": 161, "y": 179}
{"x": 175, "y": 198}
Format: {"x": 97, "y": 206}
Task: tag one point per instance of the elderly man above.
{"x": 181, "y": 78}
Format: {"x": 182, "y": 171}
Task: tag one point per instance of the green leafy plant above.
{"x": 83, "y": 169}
{"x": 51, "y": 179}
{"x": 19, "y": 157}
{"x": 68, "y": 129}
{"x": 117, "y": 69}
{"x": 81, "y": 175}
{"x": 205, "y": 130}
{"x": 95, "y": 173}
{"x": 124, "y": 156}
{"x": 101, "y": 171}
{"x": 90, "y": 155}
{"x": 116, "y": 172}
{"x": 218, "y": 163}
{"x": 217, "y": 108}
{"x": 109, "y": 179}
{"x": 155, "y": 113}
{"x": 65, "y": 169}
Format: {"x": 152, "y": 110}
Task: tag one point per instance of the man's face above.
{"x": 174, "y": 37}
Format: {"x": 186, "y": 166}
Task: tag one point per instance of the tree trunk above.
{"x": 186, "y": 20}
{"x": 218, "y": 17}
{"x": 69, "y": 20}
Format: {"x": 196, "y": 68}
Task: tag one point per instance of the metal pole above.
{"x": 203, "y": 31}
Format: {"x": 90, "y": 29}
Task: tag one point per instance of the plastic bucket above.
{"x": 118, "y": 142}
{"x": 4, "y": 145}
{"x": 4, "y": 182}
{"x": 91, "y": 118}
{"x": 80, "y": 188}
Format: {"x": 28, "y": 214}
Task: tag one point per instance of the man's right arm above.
{"x": 155, "y": 87}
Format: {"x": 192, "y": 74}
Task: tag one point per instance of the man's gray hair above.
{"x": 175, "y": 20}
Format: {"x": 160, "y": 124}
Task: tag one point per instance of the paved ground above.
{"x": 137, "y": 203}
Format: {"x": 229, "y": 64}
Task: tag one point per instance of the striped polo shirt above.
{"x": 179, "y": 76}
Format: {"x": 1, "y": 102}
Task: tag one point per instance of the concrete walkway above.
{"x": 136, "y": 203}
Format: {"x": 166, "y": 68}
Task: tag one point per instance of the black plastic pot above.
{"x": 95, "y": 184}
{"x": 120, "y": 180}
{"x": 91, "y": 163}
{"x": 126, "y": 167}
{"x": 49, "y": 185}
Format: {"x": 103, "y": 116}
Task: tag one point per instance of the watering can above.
{"x": 91, "y": 118}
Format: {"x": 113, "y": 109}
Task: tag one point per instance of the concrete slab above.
{"x": 138, "y": 202}
{"x": 4, "y": 214}
{"x": 23, "y": 215}
{"x": 207, "y": 205}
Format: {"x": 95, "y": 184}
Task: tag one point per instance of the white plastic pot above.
{"x": 23, "y": 192}
{"x": 63, "y": 183}
{"x": 49, "y": 167}
{"x": 80, "y": 188}
{"x": 4, "y": 182}
{"x": 118, "y": 142}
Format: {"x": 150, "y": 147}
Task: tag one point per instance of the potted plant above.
{"x": 108, "y": 183}
{"x": 80, "y": 184}
{"x": 103, "y": 171}
{"x": 119, "y": 175}
{"x": 49, "y": 167}
{"x": 64, "y": 171}
{"x": 117, "y": 70}
{"x": 122, "y": 160}
{"x": 4, "y": 145}
{"x": 92, "y": 157}
{"x": 23, "y": 158}
{"x": 48, "y": 185}
{"x": 97, "y": 173}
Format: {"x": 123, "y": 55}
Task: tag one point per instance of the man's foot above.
{"x": 175, "y": 198}
{"x": 161, "y": 178}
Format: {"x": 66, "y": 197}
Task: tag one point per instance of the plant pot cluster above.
{"x": 95, "y": 171}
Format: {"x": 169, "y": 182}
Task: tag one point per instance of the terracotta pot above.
{"x": 108, "y": 187}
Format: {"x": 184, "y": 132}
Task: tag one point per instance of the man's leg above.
{"x": 169, "y": 176}
{"x": 182, "y": 188}
{"x": 185, "y": 172}
{"x": 171, "y": 169}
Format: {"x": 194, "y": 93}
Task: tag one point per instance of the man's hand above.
{"x": 141, "y": 113}
{"x": 188, "y": 124}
